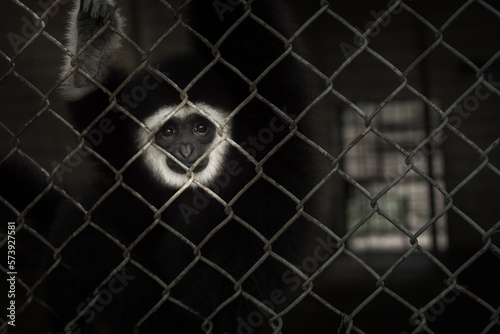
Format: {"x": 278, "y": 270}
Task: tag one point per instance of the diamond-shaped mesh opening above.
{"x": 482, "y": 16}
{"x": 357, "y": 179}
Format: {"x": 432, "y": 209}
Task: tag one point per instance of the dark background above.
{"x": 467, "y": 167}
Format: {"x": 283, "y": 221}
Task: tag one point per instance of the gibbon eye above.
{"x": 168, "y": 131}
{"x": 200, "y": 128}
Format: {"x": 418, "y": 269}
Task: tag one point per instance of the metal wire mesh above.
{"x": 331, "y": 247}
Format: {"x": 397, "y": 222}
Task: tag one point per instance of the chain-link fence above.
{"x": 403, "y": 237}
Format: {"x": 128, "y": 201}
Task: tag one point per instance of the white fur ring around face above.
{"x": 154, "y": 158}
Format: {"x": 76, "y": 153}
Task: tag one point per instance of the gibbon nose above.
{"x": 186, "y": 150}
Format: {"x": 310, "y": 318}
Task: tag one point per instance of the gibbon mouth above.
{"x": 174, "y": 166}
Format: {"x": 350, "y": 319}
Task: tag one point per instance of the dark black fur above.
{"x": 26, "y": 194}
{"x": 125, "y": 226}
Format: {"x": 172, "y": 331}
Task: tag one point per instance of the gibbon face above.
{"x": 185, "y": 142}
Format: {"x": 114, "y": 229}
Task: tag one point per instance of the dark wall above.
{"x": 465, "y": 51}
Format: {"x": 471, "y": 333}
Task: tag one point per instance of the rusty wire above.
{"x": 348, "y": 324}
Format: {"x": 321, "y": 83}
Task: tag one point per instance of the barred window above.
{"x": 399, "y": 231}
{"x": 374, "y": 164}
